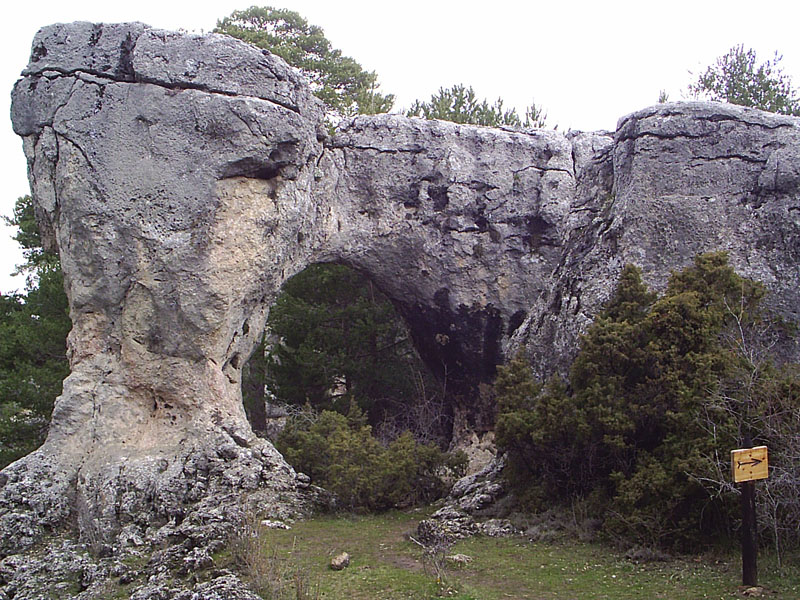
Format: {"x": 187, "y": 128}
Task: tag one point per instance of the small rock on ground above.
{"x": 340, "y": 561}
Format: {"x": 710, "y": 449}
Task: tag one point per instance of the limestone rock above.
{"x": 93, "y": 48}
{"x": 480, "y": 490}
{"x": 497, "y": 528}
{"x": 340, "y": 561}
{"x": 472, "y": 499}
{"x": 687, "y": 178}
{"x": 461, "y": 226}
{"x": 270, "y": 524}
{"x": 460, "y": 560}
{"x": 150, "y": 421}
{"x": 221, "y": 64}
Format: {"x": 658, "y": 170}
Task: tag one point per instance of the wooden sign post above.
{"x": 748, "y": 465}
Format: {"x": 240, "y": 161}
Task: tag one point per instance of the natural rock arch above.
{"x": 184, "y": 178}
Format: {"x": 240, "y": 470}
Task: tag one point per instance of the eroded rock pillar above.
{"x": 168, "y": 171}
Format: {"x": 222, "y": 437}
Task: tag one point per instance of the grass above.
{"x": 386, "y": 565}
{"x": 578, "y": 570}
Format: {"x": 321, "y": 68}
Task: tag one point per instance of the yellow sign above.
{"x": 749, "y": 464}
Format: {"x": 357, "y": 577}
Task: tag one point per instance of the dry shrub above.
{"x": 271, "y": 575}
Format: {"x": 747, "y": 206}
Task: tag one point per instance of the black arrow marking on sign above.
{"x": 752, "y": 461}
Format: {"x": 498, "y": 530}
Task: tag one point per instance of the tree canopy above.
{"x": 33, "y": 333}
{"x": 460, "y": 104}
{"x": 737, "y": 78}
{"x": 338, "y": 80}
{"x": 336, "y": 340}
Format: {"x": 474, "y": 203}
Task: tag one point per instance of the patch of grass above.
{"x": 386, "y": 565}
{"x": 578, "y": 570}
{"x": 383, "y": 562}
{"x": 270, "y": 573}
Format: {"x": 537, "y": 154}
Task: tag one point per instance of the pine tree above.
{"x": 33, "y": 332}
{"x": 736, "y": 78}
{"x": 340, "y": 340}
{"x": 338, "y": 80}
{"x": 460, "y": 104}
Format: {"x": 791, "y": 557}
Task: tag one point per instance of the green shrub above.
{"x": 340, "y": 454}
{"x": 660, "y": 392}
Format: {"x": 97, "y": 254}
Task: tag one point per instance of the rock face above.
{"x": 183, "y": 179}
{"x": 684, "y": 179}
{"x": 158, "y": 178}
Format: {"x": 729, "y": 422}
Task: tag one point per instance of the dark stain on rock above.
{"x": 251, "y": 167}
{"x": 124, "y": 70}
{"x": 461, "y": 346}
{"x": 515, "y": 321}
{"x": 539, "y": 232}
{"x": 97, "y": 33}
{"x": 410, "y": 196}
{"x": 38, "y": 52}
{"x": 438, "y": 193}
{"x": 442, "y": 298}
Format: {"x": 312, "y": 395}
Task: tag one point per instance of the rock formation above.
{"x": 183, "y": 179}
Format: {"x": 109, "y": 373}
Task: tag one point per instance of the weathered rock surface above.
{"x": 183, "y": 179}
{"x": 152, "y": 140}
{"x": 340, "y": 561}
{"x": 471, "y": 508}
{"x": 687, "y": 178}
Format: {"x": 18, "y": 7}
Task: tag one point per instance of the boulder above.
{"x": 340, "y": 562}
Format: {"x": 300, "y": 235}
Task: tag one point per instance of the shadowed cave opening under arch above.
{"x": 334, "y": 337}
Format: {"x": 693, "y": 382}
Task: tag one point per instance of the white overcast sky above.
{"x": 587, "y": 62}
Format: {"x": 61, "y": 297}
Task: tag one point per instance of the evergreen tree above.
{"x": 339, "y": 81}
{"x": 632, "y": 430}
{"x": 33, "y": 332}
{"x": 460, "y": 105}
{"x": 736, "y": 78}
{"x": 340, "y": 340}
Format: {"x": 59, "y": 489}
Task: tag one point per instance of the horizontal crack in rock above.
{"x": 151, "y": 81}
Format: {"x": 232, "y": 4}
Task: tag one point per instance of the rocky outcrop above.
{"x": 461, "y": 226}
{"x": 472, "y": 508}
{"x": 183, "y": 179}
{"x": 685, "y": 178}
{"x": 157, "y": 162}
